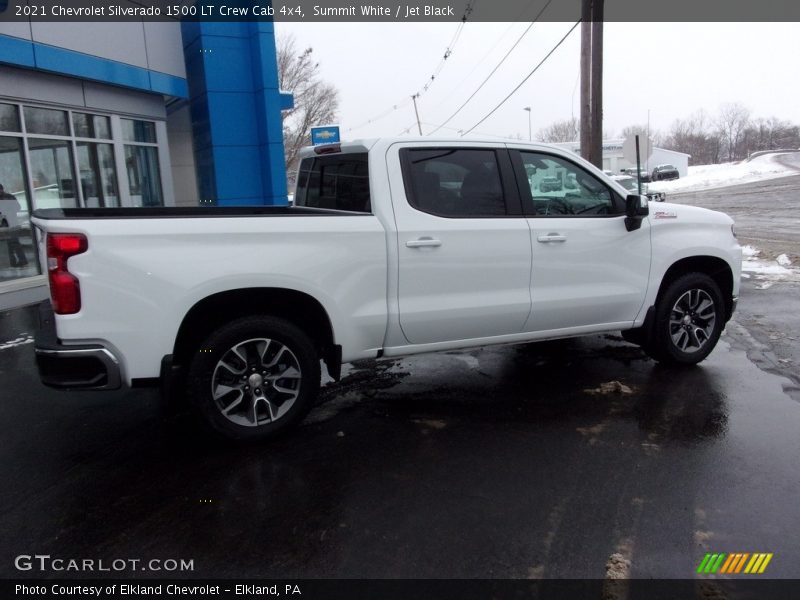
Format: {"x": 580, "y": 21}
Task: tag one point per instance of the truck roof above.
{"x": 366, "y": 144}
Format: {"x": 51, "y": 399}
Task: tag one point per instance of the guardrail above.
{"x": 763, "y": 152}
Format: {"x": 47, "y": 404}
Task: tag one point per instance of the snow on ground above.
{"x": 767, "y": 271}
{"x": 703, "y": 177}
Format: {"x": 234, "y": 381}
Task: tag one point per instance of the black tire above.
{"x": 668, "y": 322}
{"x": 246, "y": 336}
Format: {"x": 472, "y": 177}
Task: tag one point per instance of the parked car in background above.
{"x": 631, "y": 172}
{"x": 550, "y": 184}
{"x": 664, "y": 173}
{"x": 630, "y": 184}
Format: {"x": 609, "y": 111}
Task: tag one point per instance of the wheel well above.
{"x": 716, "y": 268}
{"x": 300, "y": 309}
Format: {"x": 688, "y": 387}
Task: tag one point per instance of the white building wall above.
{"x": 154, "y": 46}
{"x": 661, "y": 156}
{"x": 26, "y": 85}
{"x": 181, "y": 151}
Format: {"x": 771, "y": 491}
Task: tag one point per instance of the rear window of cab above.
{"x": 338, "y": 182}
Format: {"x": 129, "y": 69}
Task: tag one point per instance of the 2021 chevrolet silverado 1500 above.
{"x": 393, "y": 247}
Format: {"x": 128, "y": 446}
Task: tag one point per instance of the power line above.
{"x": 489, "y": 76}
{"x": 528, "y": 76}
{"x": 401, "y": 104}
{"x": 484, "y": 57}
{"x": 470, "y": 6}
{"x": 482, "y": 133}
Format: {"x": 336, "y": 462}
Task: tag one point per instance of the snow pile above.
{"x": 767, "y": 271}
{"x": 703, "y": 177}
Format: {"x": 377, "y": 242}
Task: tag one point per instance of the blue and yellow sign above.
{"x": 325, "y": 135}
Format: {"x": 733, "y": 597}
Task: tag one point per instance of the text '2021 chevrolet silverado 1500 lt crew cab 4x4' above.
{"x": 394, "y": 247}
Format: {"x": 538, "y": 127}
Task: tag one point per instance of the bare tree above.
{"x": 768, "y": 134}
{"x": 732, "y": 121}
{"x": 315, "y": 102}
{"x": 642, "y": 131}
{"x": 732, "y": 135}
{"x": 560, "y": 131}
{"x": 694, "y": 137}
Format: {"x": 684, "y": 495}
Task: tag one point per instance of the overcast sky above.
{"x": 670, "y": 69}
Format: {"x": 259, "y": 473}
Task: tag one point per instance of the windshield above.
{"x": 629, "y": 184}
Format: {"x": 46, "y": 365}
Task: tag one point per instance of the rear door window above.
{"x": 338, "y": 182}
{"x": 454, "y": 182}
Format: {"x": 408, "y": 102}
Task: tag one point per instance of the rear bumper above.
{"x": 82, "y": 366}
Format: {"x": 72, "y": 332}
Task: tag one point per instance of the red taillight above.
{"x": 65, "y": 291}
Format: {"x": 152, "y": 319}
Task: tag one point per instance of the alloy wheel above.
{"x": 692, "y": 320}
{"x": 256, "y": 382}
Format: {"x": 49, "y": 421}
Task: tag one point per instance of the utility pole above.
{"x": 597, "y": 83}
{"x": 586, "y": 77}
{"x": 592, "y": 81}
{"x": 416, "y": 112}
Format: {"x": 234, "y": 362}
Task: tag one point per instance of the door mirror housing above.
{"x": 636, "y": 208}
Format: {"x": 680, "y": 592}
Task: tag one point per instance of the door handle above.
{"x": 551, "y": 237}
{"x": 425, "y": 242}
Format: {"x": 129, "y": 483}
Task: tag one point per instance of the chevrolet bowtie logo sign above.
{"x": 734, "y": 563}
{"x": 329, "y": 134}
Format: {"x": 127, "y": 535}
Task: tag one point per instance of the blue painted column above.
{"x": 236, "y": 112}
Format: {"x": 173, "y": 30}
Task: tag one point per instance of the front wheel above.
{"x": 254, "y": 377}
{"x": 689, "y": 318}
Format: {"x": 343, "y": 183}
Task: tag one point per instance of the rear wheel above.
{"x": 254, "y": 377}
{"x": 689, "y": 318}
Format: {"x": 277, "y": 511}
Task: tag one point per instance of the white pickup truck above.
{"x": 394, "y": 247}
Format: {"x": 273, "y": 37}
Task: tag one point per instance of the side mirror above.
{"x": 636, "y": 206}
{"x": 636, "y": 209}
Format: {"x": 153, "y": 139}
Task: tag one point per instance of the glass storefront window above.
{"x": 51, "y": 170}
{"x": 144, "y": 177}
{"x": 61, "y": 158}
{"x": 46, "y": 121}
{"x": 9, "y": 118}
{"x": 91, "y": 126}
{"x": 17, "y": 248}
{"x": 98, "y": 175}
{"x": 138, "y": 131}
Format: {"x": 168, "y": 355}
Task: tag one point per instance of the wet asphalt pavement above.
{"x": 503, "y": 462}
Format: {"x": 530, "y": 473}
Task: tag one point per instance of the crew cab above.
{"x": 393, "y": 247}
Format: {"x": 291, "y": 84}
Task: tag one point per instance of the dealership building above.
{"x": 615, "y": 161}
{"x": 132, "y": 114}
